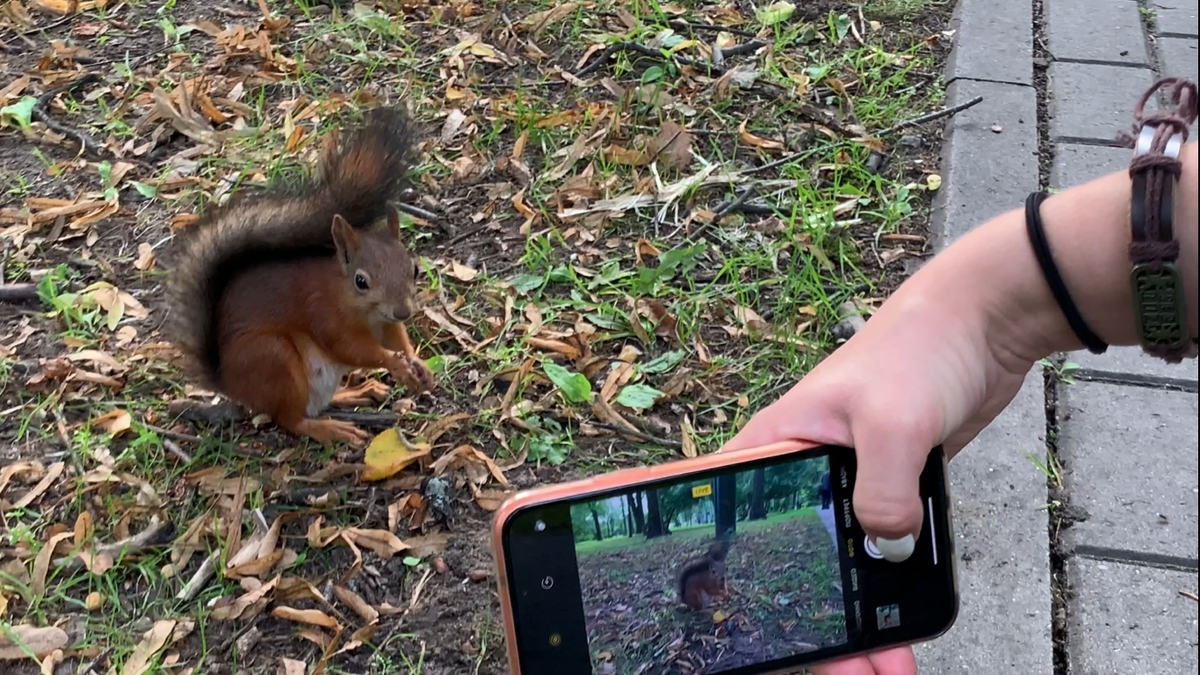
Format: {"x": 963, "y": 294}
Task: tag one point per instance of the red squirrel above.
{"x": 702, "y": 579}
{"x": 278, "y": 294}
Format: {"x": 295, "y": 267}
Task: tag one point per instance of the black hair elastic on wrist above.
{"x": 1041, "y": 249}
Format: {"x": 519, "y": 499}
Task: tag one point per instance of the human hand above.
{"x": 921, "y": 372}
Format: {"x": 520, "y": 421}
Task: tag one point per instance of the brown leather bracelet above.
{"x": 1159, "y": 305}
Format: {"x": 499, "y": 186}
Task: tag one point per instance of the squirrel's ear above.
{"x": 345, "y": 239}
{"x": 393, "y": 220}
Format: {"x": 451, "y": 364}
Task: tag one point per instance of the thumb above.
{"x": 887, "y": 499}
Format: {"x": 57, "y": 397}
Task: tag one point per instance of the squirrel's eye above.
{"x": 360, "y": 281}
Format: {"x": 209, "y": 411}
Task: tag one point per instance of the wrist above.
{"x": 993, "y": 270}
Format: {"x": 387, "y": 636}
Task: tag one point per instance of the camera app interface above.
{"x": 713, "y": 575}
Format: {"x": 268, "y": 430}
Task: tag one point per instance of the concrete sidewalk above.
{"x": 1109, "y": 593}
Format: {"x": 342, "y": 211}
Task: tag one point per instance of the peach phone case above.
{"x": 624, "y": 478}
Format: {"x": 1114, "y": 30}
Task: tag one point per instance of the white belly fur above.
{"x": 324, "y": 378}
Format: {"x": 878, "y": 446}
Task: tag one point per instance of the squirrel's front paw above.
{"x": 415, "y": 375}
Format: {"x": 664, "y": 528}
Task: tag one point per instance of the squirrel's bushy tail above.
{"x": 358, "y": 172}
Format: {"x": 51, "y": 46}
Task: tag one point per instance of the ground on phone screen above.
{"x": 663, "y": 593}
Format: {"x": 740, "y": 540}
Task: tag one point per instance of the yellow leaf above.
{"x": 718, "y": 617}
{"x": 389, "y": 454}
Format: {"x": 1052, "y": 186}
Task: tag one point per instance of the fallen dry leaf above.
{"x": 673, "y": 147}
{"x": 757, "y": 141}
{"x": 145, "y": 259}
{"x": 40, "y": 641}
{"x": 312, "y": 617}
{"x": 290, "y": 666}
{"x": 356, "y": 603}
{"x": 115, "y": 422}
{"x": 462, "y": 272}
{"x": 689, "y": 440}
{"x": 41, "y": 564}
{"x": 52, "y": 475}
{"x": 152, "y": 641}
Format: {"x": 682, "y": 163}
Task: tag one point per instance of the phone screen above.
{"x": 748, "y": 569}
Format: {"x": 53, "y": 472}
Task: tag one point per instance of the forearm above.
{"x": 994, "y": 268}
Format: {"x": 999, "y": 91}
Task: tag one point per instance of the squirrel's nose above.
{"x": 401, "y": 313}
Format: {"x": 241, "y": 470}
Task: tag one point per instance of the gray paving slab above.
{"x": 992, "y": 41}
{"x": 1176, "y": 17}
{"x": 1078, "y": 164}
{"x": 1132, "y": 363}
{"x": 1096, "y": 30}
{"x": 1178, "y": 58}
{"x": 1001, "y": 540}
{"x": 989, "y": 160}
{"x": 1089, "y": 101}
{"x": 1126, "y": 619}
{"x": 1129, "y": 456}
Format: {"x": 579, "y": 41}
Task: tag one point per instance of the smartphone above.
{"x": 735, "y": 563}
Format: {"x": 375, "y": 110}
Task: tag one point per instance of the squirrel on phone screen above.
{"x": 702, "y": 579}
{"x": 278, "y": 294}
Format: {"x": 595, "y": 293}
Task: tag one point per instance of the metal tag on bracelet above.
{"x": 1159, "y": 306}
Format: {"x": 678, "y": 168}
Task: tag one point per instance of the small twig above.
{"x": 18, "y": 292}
{"x": 177, "y": 435}
{"x": 50, "y": 26}
{"x": 729, "y": 207}
{"x": 724, "y": 209}
{"x": 469, "y": 232}
{"x": 91, "y": 665}
{"x": 1191, "y": 595}
{"x": 68, "y": 88}
{"x": 929, "y": 117}
{"x": 418, "y": 212}
{"x": 173, "y": 448}
{"x": 637, "y": 434}
{"x": 4, "y": 259}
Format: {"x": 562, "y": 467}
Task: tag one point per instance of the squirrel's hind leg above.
{"x": 269, "y": 374}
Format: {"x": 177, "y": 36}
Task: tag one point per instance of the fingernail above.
{"x": 896, "y": 550}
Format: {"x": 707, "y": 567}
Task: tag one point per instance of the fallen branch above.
{"x": 724, "y": 209}
{"x": 953, "y": 110}
{"x": 638, "y": 435}
{"x": 87, "y": 144}
{"x": 711, "y": 28}
{"x": 619, "y": 47}
{"x": 157, "y": 534}
{"x": 18, "y": 292}
{"x": 417, "y": 212}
